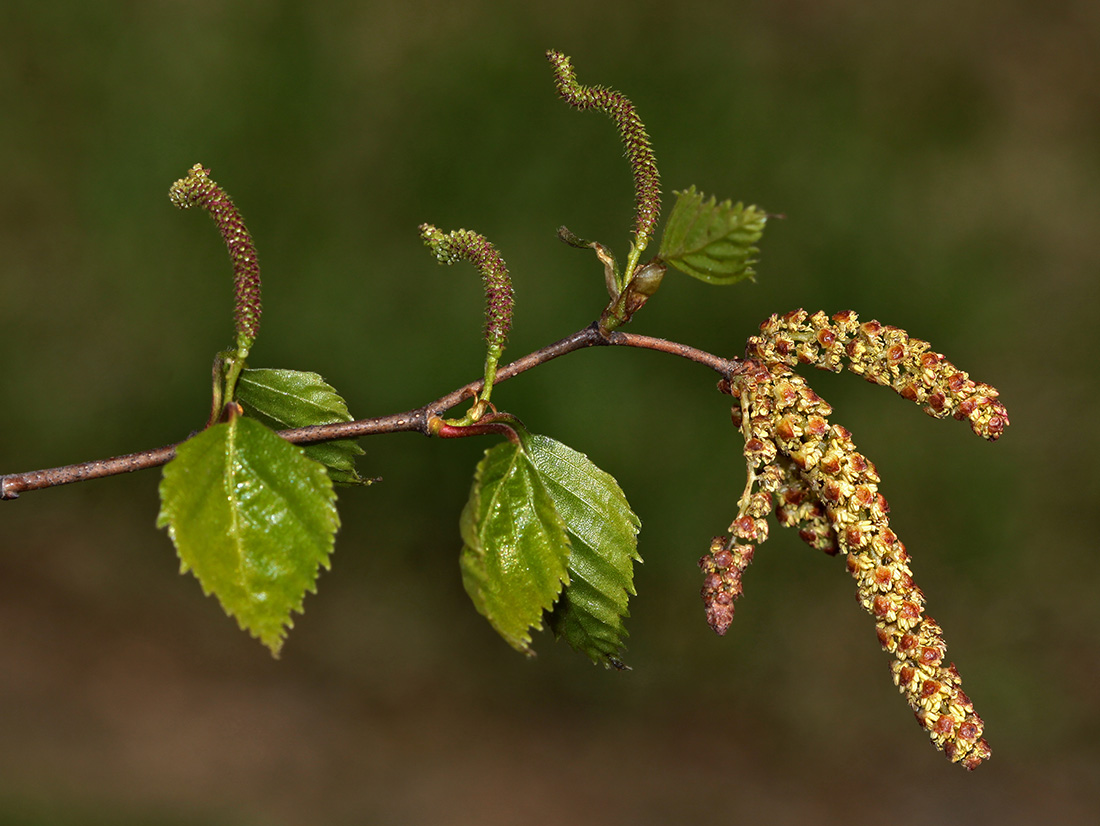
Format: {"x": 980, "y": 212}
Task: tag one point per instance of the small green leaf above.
{"x": 292, "y": 398}
{"x": 515, "y": 553}
{"x": 710, "y": 241}
{"x": 603, "y": 530}
{"x": 253, "y": 519}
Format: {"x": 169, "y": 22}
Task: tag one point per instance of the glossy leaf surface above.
{"x": 253, "y": 519}
{"x": 714, "y": 242}
{"x": 293, "y": 398}
{"x": 603, "y": 531}
{"x": 515, "y": 553}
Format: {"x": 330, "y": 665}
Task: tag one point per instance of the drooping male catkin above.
{"x": 790, "y": 420}
{"x": 884, "y": 355}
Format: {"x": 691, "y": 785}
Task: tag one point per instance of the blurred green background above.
{"x": 939, "y": 167}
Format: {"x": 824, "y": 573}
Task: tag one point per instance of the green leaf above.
{"x": 515, "y": 553}
{"x": 253, "y": 519}
{"x": 710, "y": 241}
{"x": 603, "y": 532}
{"x": 292, "y": 398}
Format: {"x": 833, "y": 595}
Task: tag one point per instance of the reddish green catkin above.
{"x": 462, "y": 244}
{"x": 647, "y": 180}
{"x": 197, "y": 189}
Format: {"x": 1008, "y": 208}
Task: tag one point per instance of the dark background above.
{"x": 939, "y": 167}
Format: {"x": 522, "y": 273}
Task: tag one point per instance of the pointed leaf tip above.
{"x": 253, "y": 519}
{"x": 603, "y": 532}
{"x": 714, "y": 242}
